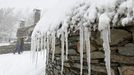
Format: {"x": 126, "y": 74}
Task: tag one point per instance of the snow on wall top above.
{"x": 54, "y": 16}
{"x": 95, "y": 8}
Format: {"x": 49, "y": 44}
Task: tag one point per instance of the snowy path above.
{"x": 15, "y": 64}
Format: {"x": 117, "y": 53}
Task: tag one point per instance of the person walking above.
{"x": 19, "y": 46}
{"x": 20, "y": 39}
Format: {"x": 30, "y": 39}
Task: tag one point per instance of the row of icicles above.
{"x": 47, "y": 41}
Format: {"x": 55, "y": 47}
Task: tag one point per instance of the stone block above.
{"x": 127, "y": 50}
{"x": 117, "y": 36}
{"x": 101, "y": 69}
{"x": 133, "y": 36}
{"x": 126, "y": 70}
{"x": 97, "y": 55}
{"x": 122, "y": 59}
{"x": 93, "y": 48}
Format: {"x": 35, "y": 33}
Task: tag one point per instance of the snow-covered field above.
{"x": 15, "y": 64}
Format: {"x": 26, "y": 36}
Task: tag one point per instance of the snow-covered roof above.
{"x": 85, "y": 16}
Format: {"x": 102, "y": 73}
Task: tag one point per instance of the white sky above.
{"x": 27, "y": 3}
{"x": 27, "y": 6}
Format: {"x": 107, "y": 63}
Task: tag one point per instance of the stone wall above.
{"x": 10, "y": 48}
{"x": 122, "y": 54}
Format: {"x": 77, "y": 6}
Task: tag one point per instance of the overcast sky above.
{"x": 27, "y": 6}
{"x": 27, "y": 3}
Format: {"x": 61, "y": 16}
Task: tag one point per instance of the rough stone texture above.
{"x": 122, "y": 55}
{"x": 93, "y": 48}
{"x": 127, "y": 50}
{"x": 126, "y": 70}
{"x": 122, "y": 59}
{"x": 118, "y": 36}
{"x": 97, "y": 55}
{"x": 11, "y": 48}
{"x": 131, "y": 29}
{"x": 133, "y": 36}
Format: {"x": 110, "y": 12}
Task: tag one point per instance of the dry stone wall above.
{"x": 10, "y": 48}
{"x": 122, "y": 54}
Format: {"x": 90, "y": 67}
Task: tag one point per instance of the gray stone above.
{"x": 73, "y": 38}
{"x": 74, "y": 57}
{"x": 133, "y": 36}
{"x": 76, "y": 65}
{"x": 72, "y": 51}
{"x": 127, "y": 50}
{"x": 67, "y": 64}
{"x": 98, "y": 68}
{"x": 57, "y": 50}
{"x": 93, "y": 48}
{"x": 117, "y": 36}
{"x": 126, "y": 70}
{"x": 132, "y": 30}
{"x": 122, "y": 59}
{"x": 101, "y": 69}
{"x": 10, "y": 48}
{"x": 97, "y": 55}
{"x": 94, "y": 61}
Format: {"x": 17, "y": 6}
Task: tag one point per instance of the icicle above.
{"x": 105, "y": 37}
{"x": 66, "y": 38}
{"x": 45, "y": 47}
{"x": 33, "y": 48}
{"x": 62, "y": 52}
{"x": 53, "y": 45}
{"x": 41, "y": 43}
{"x": 48, "y": 39}
{"x": 38, "y": 46}
{"x": 87, "y": 38}
{"x": 104, "y": 27}
{"x": 45, "y": 52}
{"x": 81, "y": 48}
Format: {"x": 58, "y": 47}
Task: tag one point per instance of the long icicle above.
{"x": 62, "y": 52}
{"x": 44, "y": 53}
{"x": 48, "y": 48}
{"x": 81, "y": 48}
{"x": 45, "y": 41}
{"x": 38, "y": 46}
{"x": 87, "y": 38}
{"x": 53, "y": 45}
{"x": 106, "y": 46}
{"x": 41, "y": 43}
{"x": 33, "y": 48}
{"x": 66, "y": 38}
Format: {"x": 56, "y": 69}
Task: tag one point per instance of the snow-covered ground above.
{"x": 15, "y": 64}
